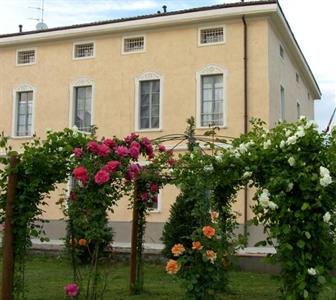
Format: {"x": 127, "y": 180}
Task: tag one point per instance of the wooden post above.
{"x": 8, "y": 251}
{"x": 133, "y": 258}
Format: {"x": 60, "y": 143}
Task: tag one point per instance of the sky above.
{"x": 313, "y": 23}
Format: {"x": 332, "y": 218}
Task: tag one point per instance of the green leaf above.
{"x": 305, "y": 206}
{"x": 261, "y": 243}
{"x": 305, "y": 294}
{"x": 300, "y": 244}
{"x": 321, "y": 279}
{"x": 307, "y": 234}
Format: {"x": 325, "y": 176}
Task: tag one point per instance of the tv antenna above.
{"x": 40, "y": 25}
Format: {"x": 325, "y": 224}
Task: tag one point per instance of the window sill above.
{"x": 148, "y": 130}
{"x": 83, "y": 58}
{"x": 28, "y": 137}
{"x": 208, "y": 128}
{"x": 133, "y": 52}
{"x": 211, "y": 44}
{"x": 154, "y": 211}
{"x": 27, "y": 64}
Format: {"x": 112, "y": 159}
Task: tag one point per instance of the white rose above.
{"x": 326, "y": 217}
{"x": 288, "y": 133}
{"x": 311, "y": 124}
{"x": 264, "y": 198}
{"x": 324, "y": 171}
{"x": 291, "y": 161}
{"x": 192, "y": 156}
{"x": 282, "y": 144}
{"x": 208, "y": 168}
{"x": 300, "y": 132}
{"x": 242, "y": 148}
{"x": 74, "y": 128}
{"x": 267, "y": 144}
{"x": 325, "y": 180}
{"x": 312, "y": 271}
{"x": 290, "y": 187}
{"x": 291, "y": 140}
{"x": 60, "y": 149}
{"x": 272, "y": 205}
{"x": 236, "y": 154}
{"x": 302, "y": 118}
{"x": 247, "y": 174}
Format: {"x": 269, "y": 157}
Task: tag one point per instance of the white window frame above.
{"x": 26, "y": 64}
{"x": 82, "y": 81}
{"x": 159, "y": 208}
{"x": 147, "y": 76}
{"x": 211, "y": 69}
{"x": 83, "y": 43}
{"x": 211, "y": 27}
{"x": 130, "y": 37}
{"x": 27, "y": 87}
{"x": 282, "y": 106}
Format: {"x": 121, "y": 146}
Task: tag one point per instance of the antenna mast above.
{"x": 40, "y": 25}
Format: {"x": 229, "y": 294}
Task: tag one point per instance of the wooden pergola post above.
{"x": 133, "y": 257}
{"x": 8, "y": 251}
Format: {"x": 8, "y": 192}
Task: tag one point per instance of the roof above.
{"x": 178, "y": 12}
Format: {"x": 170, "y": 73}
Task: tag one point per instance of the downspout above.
{"x": 245, "y": 119}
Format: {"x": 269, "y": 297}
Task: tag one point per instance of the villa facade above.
{"x": 223, "y": 64}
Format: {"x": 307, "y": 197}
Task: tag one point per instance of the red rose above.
{"x": 101, "y": 177}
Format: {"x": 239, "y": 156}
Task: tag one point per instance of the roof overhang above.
{"x": 139, "y": 24}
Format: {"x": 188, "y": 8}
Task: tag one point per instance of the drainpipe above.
{"x": 245, "y": 117}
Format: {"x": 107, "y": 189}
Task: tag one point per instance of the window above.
{"x": 212, "y": 100}
{"x": 282, "y": 103}
{"x": 82, "y": 107}
{"x": 24, "y": 113}
{"x": 282, "y": 52}
{"x": 149, "y": 104}
{"x": 84, "y": 50}
{"x": 133, "y": 44}
{"x": 26, "y": 57}
{"x": 211, "y": 35}
{"x": 297, "y": 78}
{"x": 298, "y": 110}
{"x": 210, "y": 93}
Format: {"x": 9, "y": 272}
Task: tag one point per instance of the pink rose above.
{"x": 78, "y": 152}
{"x": 162, "y": 148}
{"x": 110, "y": 143}
{"x": 103, "y": 150}
{"x": 144, "y": 196}
{"x": 81, "y": 173}
{"x": 154, "y": 187}
{"x": 146, "y": 141}
{"x": 149, "y": 150}
{"x": 101, "y": 177}
{"x": 131, "y": 137}
{"x": 134, "y": 152}
{"x": 171, "y": 162}
{"x": 92, "y": 146}
{"x": 71, "y": 290}
{"x": 132, "y": 171}
{"x": 112, "y": 166}
{"x": 135, "y": 144}
{"x": 121, "y": 151}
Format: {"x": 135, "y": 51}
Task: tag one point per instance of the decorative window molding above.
{"x": 147, "y": 76}
{"x": 26, "y": 87}
{"x": 84, "y": 50}
{"x": 25, "y": 57}
{"x": 211, "y": 35}
{"x": 211, "y": 69}
{"x": 81, "y": 82}
{"x": 133, "y": 44}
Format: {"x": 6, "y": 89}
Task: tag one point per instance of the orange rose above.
{"x": 82, "y": 242}
{"x": 209, "y": 231}
{"x": 172, "y": 267}
{"x": 214, "y": 216}
{"x": 197, "y": 245}
{"x": 178, "y": 249}
{"x": 211, "y": 255}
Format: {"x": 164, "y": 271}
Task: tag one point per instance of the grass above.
{"x": 46, "y": 277}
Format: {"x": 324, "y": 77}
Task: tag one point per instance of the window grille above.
{"x": 134, "y": 44}
{"x": 26, "y": 57}
{"x": 84, "y": 50}
{"x": 212, "y": 35}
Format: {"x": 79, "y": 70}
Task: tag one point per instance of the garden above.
{"x": 291, "y": 167}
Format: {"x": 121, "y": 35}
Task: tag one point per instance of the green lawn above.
{"x": 46, "y": 277}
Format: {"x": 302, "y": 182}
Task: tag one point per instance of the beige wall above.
{"x": 282, "y": 71}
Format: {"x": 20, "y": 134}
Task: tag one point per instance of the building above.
{"x": 223, "y": 64}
